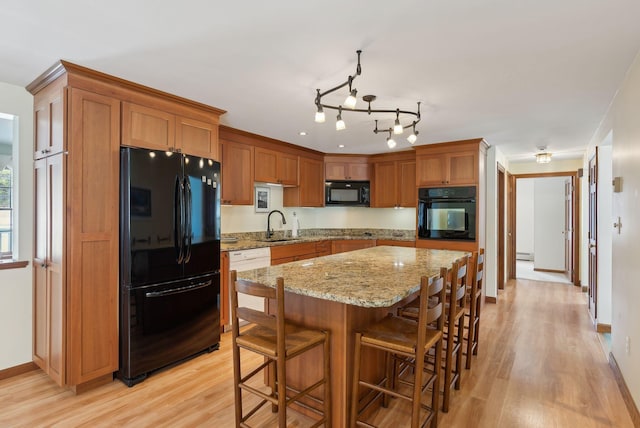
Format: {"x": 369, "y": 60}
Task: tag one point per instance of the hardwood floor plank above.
{"x": 540, "y": 364}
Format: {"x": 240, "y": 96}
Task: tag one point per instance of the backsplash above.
{"x": 329, "y": 233}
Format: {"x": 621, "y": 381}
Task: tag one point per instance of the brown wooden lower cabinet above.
{"x": 396, "y": 243}
{"x": 343, "y": 245}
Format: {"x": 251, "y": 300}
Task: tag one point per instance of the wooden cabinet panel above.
{"x": 156, "y": 129}
{"x": 48, "y": 267}
{"x": 385, "y": 185}
{"x": 49, "y": 121}
{"x": 288, "y": 169}
{"x": 323, "y": 248}
{"x": 275, "y": 167}
{"x": 92, "y": 219}
{"x": 407, "y": 190}
{"x": 455, "y": 168}
{"x": 224, "y": 289}
{"x": 347, "y": 171}
{"x": 197, "y": 138}
{"x": 344, "y": 245}
{"x": 310, "y": 189}
{"x": 237, "y": 173}
{"x": 147, "y": 127}
{"x": 292, "y": 252}
{"x": 394, "y": 184}
{"x": 395, "y": 243}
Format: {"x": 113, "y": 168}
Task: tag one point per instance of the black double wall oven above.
{"x": 447, "y": 213}
{"x": 169, "y": 260}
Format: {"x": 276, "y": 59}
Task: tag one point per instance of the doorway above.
{"x": 554, "y": 255}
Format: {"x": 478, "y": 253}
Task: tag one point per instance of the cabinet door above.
{"x": 147, "y": 127}
{"x": 237, "y": 174}
{"x": 359, "y": 171}
{"x": 266, "y": 165}
{"x": 287, "y": 169}
{"x": 49, "y": 283}
{"x": 92, "y": 246}
{"x": 49, "y": 121}
{"x": 407, "y": 191}
{"x": 40, "y": 298}
{"x": 197, "y": 138}
{"x": 311, "y": 183}
{"x": 336, "y": 171}
{"x": 385, "y": 185}
{"x": 463, "y": 168}
{"x": 431, "y": 169}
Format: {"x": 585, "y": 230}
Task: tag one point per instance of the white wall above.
{"x": 556, "y": 165}
{"x": 622, "y": 121}
{"x": 524, "y": 216}
{"x": 548, "y": 223}
{"x": 245, "y": 219}
{"x": 15, "y": 284}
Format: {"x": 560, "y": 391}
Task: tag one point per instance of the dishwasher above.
{"x": 246, "y": 260}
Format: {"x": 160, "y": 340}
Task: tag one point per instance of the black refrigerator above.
{"x": 169, "y": 260}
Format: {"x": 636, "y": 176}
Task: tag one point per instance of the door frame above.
{"x": 501, "y": 238}
{"x": 511, "y": 220}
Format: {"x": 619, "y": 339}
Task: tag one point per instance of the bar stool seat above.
{"x": 278, "y": 341}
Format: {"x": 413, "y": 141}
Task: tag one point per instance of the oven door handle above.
{"x": 178, "y": 290}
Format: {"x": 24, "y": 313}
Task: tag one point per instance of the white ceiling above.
{"x": 520, "y": 74}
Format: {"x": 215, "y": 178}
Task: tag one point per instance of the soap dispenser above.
{"x": 294, "y": 226}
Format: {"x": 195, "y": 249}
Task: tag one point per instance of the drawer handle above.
{"x": 178, "y": 290}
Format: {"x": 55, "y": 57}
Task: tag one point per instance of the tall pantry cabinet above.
{"x": 77, "y": 140}
{"x": 78, "y": 133}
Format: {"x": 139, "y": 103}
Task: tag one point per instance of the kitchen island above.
{"x": 342, "y": 294}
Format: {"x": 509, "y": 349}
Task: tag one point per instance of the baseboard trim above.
{"x": 548, "y": 270}
{"x": 585, "y": 288}
{"x": 603, "y": 328}
{"x": 17, "y": 370}
{"x": 489, "y": 299}
{"x": 87, "y": 386}
{"x": 624, "y": 390}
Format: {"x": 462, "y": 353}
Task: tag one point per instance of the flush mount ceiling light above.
{"x": 543, "y": 156}
{"x": 350, "y": 103}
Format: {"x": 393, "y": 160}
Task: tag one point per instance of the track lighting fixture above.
{"x": 397, "y": 127}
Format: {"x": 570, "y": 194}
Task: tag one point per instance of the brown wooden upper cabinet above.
{"x": 237, "y": 173}
{"x": 310, "y": 189}
{"x": 272, "y": 166}
{"x": 346, "y": 168}
{"x": 152, "y": 128}
{"x": 446, "y": 165}
{"x": 394, "y": 181}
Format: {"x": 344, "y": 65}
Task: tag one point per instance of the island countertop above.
{"x": 373, "y": 278}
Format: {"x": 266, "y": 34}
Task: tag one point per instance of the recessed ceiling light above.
{"x": 341, "y": 146}
{"x": 302, "y": 133}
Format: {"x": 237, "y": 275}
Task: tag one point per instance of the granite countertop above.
{"x": 373, "y": 277}
{"x": 247, "y": 244}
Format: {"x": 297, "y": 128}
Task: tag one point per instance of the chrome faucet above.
{"x": 269, "y": 231}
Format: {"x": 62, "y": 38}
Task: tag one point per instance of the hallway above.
{"x": 540, "y": 364}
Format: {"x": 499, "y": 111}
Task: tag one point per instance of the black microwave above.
{"x": 347, "y": 193}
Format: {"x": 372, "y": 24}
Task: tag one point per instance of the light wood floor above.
{"x": 540, "y": 364}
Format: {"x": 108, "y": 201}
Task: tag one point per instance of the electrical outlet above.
{"x": 627, "y": 345}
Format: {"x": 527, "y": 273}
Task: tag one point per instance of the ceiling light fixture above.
{"x": 350, "y": 103}
{"x": 339, "y": 122}
{"x": 543, "y": 156}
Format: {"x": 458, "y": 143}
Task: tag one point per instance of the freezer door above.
{"x": 151, "y": 192}
{"x": 202, "y": 212}
{"x": 164, "y": 323}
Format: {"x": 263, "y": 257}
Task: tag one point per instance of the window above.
{"x": 7, "y": 185}
{"x": 6, "y": 213}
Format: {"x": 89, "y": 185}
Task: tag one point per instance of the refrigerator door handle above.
{"x": 188, "y": 226}
{"x": 178, "y": 290}
{"x": 178, "y": 220}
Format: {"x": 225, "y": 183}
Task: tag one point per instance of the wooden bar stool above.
{"x": 278, "y": 341}
{"x": 453, "y": 329}
{"x": 404, "y": 338}
{"x": 475, "y": 304}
